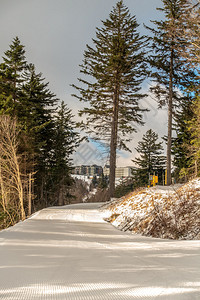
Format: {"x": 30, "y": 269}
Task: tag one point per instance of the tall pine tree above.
{"x": 170, "y": 70}
{"x": 189, "y": 33}
{"x": 114, "y": 70}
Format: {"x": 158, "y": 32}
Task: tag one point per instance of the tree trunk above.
{"x": 60, "y": 198}
{"x": 113, "y": 144}
{"x": 61, "y": 193}
{"x": 196, "y": 168}
{"x": 2, "y": 190}
{"x": 112, "y": 164}
{"x": 30, "y": 194}
{"x": 170, "y": 112}
{"x": 20, "y": 190}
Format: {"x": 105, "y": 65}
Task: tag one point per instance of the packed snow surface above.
{"x": 70, "y": 253}
{"x": 165, "y": 212}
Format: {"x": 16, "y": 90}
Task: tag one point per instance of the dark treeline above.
{"x": 37, "y": 138}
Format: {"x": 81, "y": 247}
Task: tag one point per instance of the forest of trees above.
{"x": 117, "y": 64}
{"x": 37, "y": 137}
{"x": 37, "y": 131}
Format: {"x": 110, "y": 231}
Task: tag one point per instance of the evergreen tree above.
{"x": 116, "y": 67}
{"x": 36, "y": 118}
{"x": 151, "y": 158}
{"x": 37, "y": 107}
{"x": 66, "y": 139}
{"x": 190, "y": 32}
{"x": 103, "y": 181}
{"x": 14, "y": 63}
{"x": 94, "y": 181}
{"x": 170, "y": 70}
{"x": 194, "y": 129}
{"x": 181, "y": 143}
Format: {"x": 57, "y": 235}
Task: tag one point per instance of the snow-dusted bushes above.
{"x": 158, "y": 212}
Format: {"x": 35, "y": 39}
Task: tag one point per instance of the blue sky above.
{"x": 55, "y": 34}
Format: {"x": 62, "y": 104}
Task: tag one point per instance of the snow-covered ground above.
{"x": 70, "y": 253}
{"x": 87, "y": 212}
{"x": 165, "y": 212}
{"x": 85, "y": 178}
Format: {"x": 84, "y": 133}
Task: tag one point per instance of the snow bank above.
{"x": 164, "y": 212}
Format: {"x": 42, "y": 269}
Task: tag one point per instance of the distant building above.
{"x": 106, "y": 170}
{"x": 120, "y": 172}
{"x": 79, "y": 170}
{"x": 88, "y": 170}
{"x": 123, "y": 172}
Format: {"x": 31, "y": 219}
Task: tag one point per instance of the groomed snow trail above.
{"x": 70, "y": 253}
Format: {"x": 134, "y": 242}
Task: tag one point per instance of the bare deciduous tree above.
{"x": 11, "y": 182}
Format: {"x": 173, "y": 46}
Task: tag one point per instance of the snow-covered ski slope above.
{"x": 71, "y": 253}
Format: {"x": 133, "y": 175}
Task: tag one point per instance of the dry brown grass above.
{"x": 172, "y": 216}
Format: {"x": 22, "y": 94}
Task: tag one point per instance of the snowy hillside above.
{"x": 163, "y": 212}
